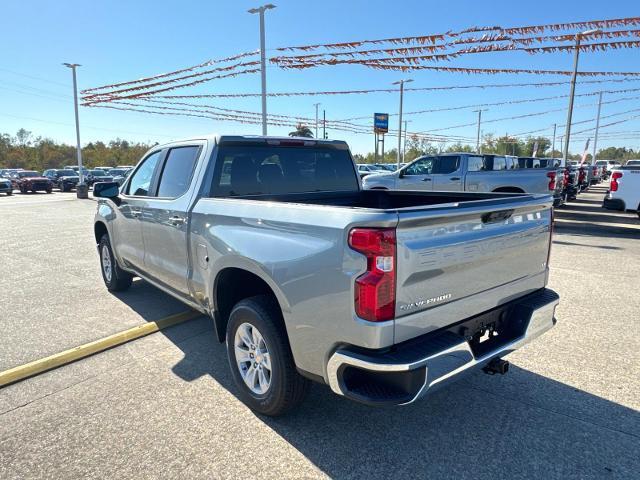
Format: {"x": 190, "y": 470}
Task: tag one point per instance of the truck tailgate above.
{"x": 455, "y": 262}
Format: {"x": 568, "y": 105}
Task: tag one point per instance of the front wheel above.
{"x": 260, "y": 357}
{"x": 114, "y": 277}
{"x": 9, "y": 193}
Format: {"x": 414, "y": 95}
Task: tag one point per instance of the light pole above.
{"x": 81, "y": 190}
{"x": 595, "y": 139}
{"x": 404, "y": 147}
{"x": 478, "y": 133}
{"x": 553, "y": 144}
{"x": 316, "y": 105}
{"x": 263, "y": 62}
{"x": 399, "y": 155}
{"x": 576, "y": 55}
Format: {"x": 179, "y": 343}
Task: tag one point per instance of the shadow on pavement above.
{"x": 148, "y": 301}
{"x": 519, "y": 425}
{"x": 604, "y": 247}
{"x": 603, "y": 216}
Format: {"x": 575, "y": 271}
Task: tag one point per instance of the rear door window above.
{"x": 447, "y": 164}
{"x": 177, "y": 171}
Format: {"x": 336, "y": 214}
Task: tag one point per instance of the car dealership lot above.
{"x": 164, "y": 405}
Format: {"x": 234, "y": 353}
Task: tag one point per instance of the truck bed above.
{"x": 389, "y": 199}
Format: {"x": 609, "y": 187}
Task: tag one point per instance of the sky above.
{"x": 124, "y": 40}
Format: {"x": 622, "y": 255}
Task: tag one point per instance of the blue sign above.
{"x": 381, "y": 122}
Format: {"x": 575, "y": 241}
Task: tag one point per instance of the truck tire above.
{"x": 260, "y": 357}
{"x": 114, "y": 277}
{"x": 10, "y": 192}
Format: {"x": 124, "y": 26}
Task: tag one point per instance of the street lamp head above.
{"x": 71, "y": 65}
{"x": 402, "y": 81}
{"x": 268, "y": 6}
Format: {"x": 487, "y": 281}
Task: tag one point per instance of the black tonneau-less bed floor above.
{"x": 379, "y": 199}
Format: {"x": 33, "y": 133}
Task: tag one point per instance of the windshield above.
{"x": 249, "y": 169}
{"x": 67, "y": 173}
{"x": 28, "y": 174}
{"x": 98, "y": 173}
{"x": 116, "y": 171}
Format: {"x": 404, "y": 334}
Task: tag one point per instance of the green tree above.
{"x": 301, "y": 131}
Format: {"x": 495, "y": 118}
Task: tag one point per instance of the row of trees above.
{"x": 504, "y": 145}
{"x": 24, "y": 150}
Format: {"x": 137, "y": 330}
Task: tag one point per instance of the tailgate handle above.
{"x": 497, "y": 216}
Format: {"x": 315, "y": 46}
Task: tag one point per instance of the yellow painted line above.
{"x": 59, "y": 359}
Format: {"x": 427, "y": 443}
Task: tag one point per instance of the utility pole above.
{"x": 82, "y": 191}
{"x": 576, "y": 55}
{"x": 553, "y": 144}
{"x": 478, "y": 134}
{"x": 404, "y": 148}
{"x": 316, "y": 105}
{"x": 324, "y": 124}
{"x": 401, "y": 83}
{"x": 263, "y": 62}
{"x": 595, "y": 139}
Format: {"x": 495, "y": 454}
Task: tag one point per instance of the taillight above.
{"x": 614, "y": 181}
{"x": 375, "y": 290}
{"x": 595, "y": 171}
{"x": 552, "y": 180}
{"x": 565, "y": 177}
{"x": 581, "y": 175}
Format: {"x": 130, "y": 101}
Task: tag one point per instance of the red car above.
{"x": 30, "y": 181}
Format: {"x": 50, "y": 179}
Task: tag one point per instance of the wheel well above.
{"x": 99, "y": 229}
{"x": 508, "y": 190}
{"x": 231, "y": 286}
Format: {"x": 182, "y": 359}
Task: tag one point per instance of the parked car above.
{"x": 365, "y": 169}
{"x": 105, "y": 169}
{"x": 6, "y": 172}
{"x": 5, "y": 185}
{"x": 382, "y": 295}
{"x": 624, "y": 189}
{"x": 632, "y": 163}
{"x": 607, "y": 166}
{"x": 389, "y": 167}
{"x": 471, "y": 173}
{"x": 596, "y": 174}
{"x": 30, "y": 181}
{"x": 64, "y": 179}
{"x": 97, "y": 175}
{"x": 119, "y": 175}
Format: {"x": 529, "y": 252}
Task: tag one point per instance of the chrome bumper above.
{"x": 413, "y": 369}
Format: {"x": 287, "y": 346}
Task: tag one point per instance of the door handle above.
{"x": 135, "y": 213}
{"x": 455, "y": 178}
{"x": 426, "y": 179}
{"x": 176, "y": 220}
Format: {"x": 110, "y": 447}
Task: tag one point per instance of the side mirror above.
{"x": 401, "y": 173}
{"x": 106, "y": 190}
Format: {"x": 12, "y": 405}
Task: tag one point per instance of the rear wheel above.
{"x": 9, "y": 193}
{"x": 260, "y": 357}
{"x": 114, "y": 277}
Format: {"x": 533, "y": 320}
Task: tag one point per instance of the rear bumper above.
{"x": 613, "y": 204}
{"x": 415, "y": 368}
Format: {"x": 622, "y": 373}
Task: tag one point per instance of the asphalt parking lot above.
{"x": 164, "y": 406}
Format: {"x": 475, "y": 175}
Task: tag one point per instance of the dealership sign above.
{"x": 380, "y": 122}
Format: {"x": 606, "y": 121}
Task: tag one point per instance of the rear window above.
{"x": 260, "y": 170}
{"x": 495, "y": 163}
{"x": 447, "y": 164}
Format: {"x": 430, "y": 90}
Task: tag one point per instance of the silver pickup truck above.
{"x": 382, "y": 295}
{"x": 470, "y": 172}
